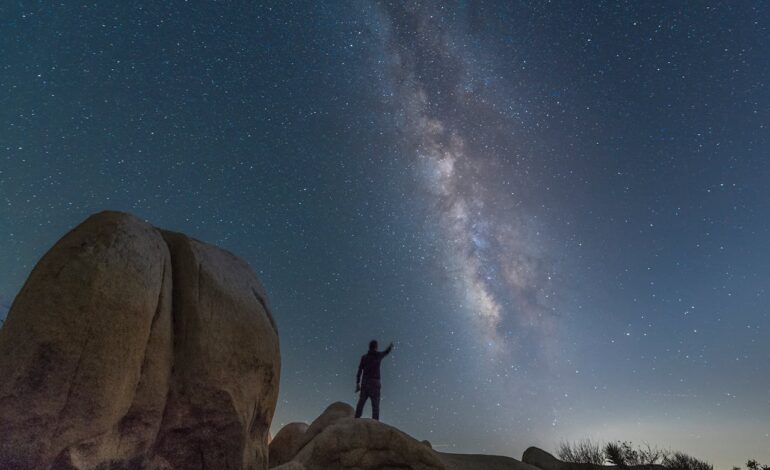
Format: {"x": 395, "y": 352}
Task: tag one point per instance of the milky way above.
{"x": 497, "y": 263}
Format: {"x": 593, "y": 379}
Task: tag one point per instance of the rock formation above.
{"x": 336, "y": 440}
{"x": 286, "y": 443}
{"x": 333, "y": 413}
{"x": 131, "y": 347}
{"x": 482, "y": 462}
{"x": 225, "y": 380}
{"x": 366, "y": 445}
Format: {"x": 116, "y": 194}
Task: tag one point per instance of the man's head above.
{"x": 373, "y": 345}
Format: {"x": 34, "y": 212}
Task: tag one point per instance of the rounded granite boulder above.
{"x": 130, "y": 347}
{"x": 286, "y": 443}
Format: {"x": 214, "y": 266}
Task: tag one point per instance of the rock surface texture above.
{"x": 333, "y": 413}
{"x": 482, "y": 462}
{"x": 286, "y": 443}
{"x": 365, "y": 444}
{"x": 336, "y": 440}
{"x": 134, "y": 348}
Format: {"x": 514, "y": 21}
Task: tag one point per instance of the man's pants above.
{"x": 369, "y": 389}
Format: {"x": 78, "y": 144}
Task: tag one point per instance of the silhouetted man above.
{"x": 370, "y": 385}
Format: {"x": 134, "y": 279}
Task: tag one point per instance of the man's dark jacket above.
{"x": 370, "y": 365}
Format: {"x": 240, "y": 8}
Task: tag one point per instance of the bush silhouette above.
{"x": 584, "y": 451}
{"x": 624, "y": 454}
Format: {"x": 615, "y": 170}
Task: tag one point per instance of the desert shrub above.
{"x": 682, "y": 461}
{"x": 618, "y": 453}
{"x": 754, "y": 465}
{"x": 584, "y": 451}
{"x": 624, "y": 454}
{"x": 649, "y": 455}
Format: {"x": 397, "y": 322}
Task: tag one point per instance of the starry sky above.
{"x": 559, "y": 211}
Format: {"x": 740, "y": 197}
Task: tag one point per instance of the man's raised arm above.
{"x": 387, "y": 351}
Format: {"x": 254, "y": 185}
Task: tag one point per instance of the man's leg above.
{"x": 375, "y": 396}
{"x": 362, "y": 396}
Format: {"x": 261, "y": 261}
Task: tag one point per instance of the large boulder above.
{"x": 85, "y": 352}
{"x": 286, "y": 443}
{"x": 333, "y": 413}
{"x": 337, "y": 440}
{"x": 545, "y": 461}
{"x": 225, "y": 380}
{"x": 365, "y": 444}
{"x": 129, "y": 347}
{"x": 482, "y": 462}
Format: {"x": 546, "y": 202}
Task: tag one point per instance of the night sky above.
{"x": 558, "y": 211}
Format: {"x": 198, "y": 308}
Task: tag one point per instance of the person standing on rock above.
{"x": 369, "y": 385}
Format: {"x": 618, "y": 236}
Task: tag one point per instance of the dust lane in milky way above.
{"x": 496, "y": 262}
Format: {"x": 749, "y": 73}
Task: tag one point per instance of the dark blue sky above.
{"x": 559, "y": 211}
